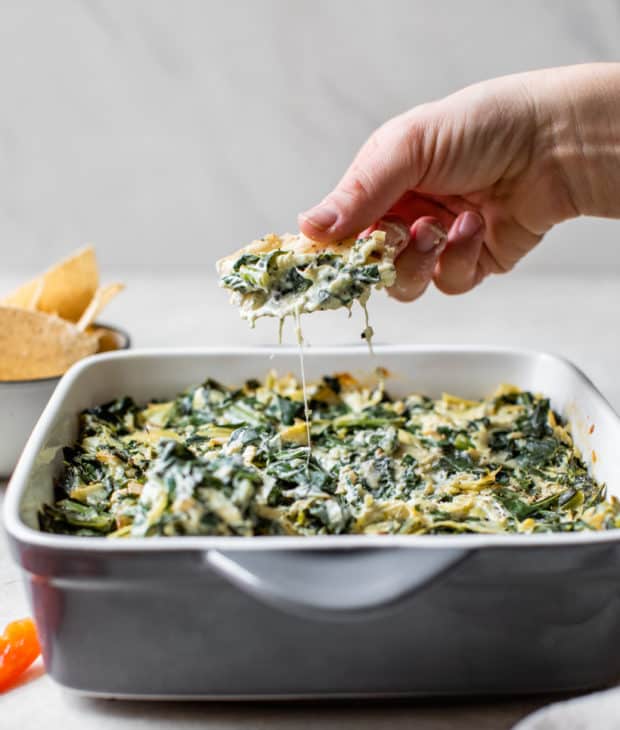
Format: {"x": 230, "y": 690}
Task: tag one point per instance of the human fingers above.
{"x": 458, "y": 269}
{"x": 386, "y": 167}
{"x": 416, "y": 264}
{"x": 398, "y": 222}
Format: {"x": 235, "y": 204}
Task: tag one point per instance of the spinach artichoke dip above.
{"x": 292, "y": 275}
{"x": 236, "y": 461}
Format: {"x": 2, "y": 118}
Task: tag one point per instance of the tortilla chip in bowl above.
{"x": 47, "y": 325}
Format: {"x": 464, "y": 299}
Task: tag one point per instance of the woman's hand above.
{"x": 480, "y": 176}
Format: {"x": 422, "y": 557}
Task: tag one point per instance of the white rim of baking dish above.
{"x": 18, "y": 530}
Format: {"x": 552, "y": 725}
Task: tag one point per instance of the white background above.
{"x": 170, "y": 132}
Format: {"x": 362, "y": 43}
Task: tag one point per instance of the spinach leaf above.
{"x": 520, "y": 509}
{"x": 284, "y": 410}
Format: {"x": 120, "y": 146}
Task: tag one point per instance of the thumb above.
{"x": 389, "y": 164}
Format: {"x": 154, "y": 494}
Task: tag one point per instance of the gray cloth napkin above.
{"x": 598, "y": 711}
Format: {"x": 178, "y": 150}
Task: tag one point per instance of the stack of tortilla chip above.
{"x": 47, "y": 324}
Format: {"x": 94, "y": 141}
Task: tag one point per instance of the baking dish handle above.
{"x": 336, "y": 582}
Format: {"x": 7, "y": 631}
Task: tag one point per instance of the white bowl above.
{"x": 23, "y": 401}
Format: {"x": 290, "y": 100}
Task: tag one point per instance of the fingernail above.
{"x": 470, "y": 224}
{"x": 396, "y": 231}
{"x": 427, "y": 236}
{"x": 322, "y": 217}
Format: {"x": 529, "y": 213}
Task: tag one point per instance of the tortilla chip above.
{"x": 27, "y": 296}
{"x": 108, "y": 340}
{"x": 36, "y": 345}
{"x": 69, "y": 286}
{"x": 102, "y": 297}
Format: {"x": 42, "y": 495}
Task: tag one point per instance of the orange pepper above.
{"x": 19, "y": 647}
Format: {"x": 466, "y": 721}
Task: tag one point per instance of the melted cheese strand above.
{"x": 368, "y": 331}
{"x": 300, "y": 345}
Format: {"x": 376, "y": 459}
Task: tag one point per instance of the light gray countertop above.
{"x": 573, "y": 316}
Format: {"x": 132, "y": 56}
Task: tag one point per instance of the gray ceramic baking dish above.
{"x": 332, "y": 616}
